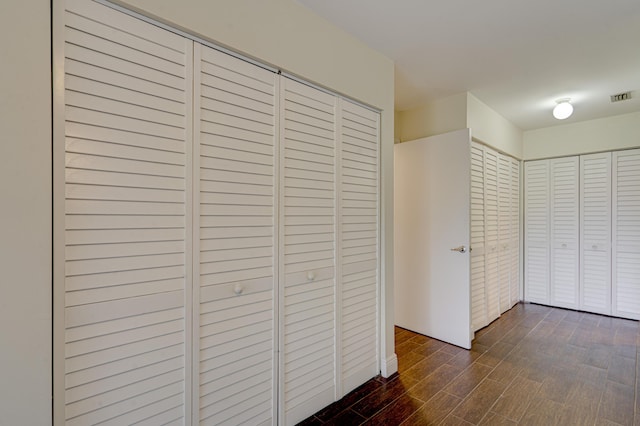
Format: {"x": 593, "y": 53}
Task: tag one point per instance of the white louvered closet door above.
{"x": 127, "y": 127}
{"x": 514, "y": 244}
{"x": 536, "y": 231}
{"x": 236, "y": 204}
{"x": 564, "y": 222}
{"x": 504, "y": 231}
{"x": 595, "y": 233}
{"x": 492, "y": 278}
{"x": 478, "y": 282}
{"x": 308, "y": 240}
{"x": 626, "y": 233}
{"x": 358, "y": 219}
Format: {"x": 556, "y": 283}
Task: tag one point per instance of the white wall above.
{"x": 459, "y": 112}
{"x": 604, "y": 134}
{"x": 25, "y": 229}
{"x": 434, "y": 118}
{"x": 493, "y": 129}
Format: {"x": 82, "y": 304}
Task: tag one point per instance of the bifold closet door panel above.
{"x": 492, "y": 251}
{"x": 358, "y": 244}
{"x": 626, "y": 233}
{"x": 236, "y": 204}
{"x": 126, "y": 290}
{"x": 536, "y": 231}
{"x": 478, "y": 283}
{"x": 495, "y": 201}
{"x": 514, "y": 244}
{"x": 308, "y": 240}
{"x": 595, "y": 233}
{"x": 504, "y": 231}
{"x": 564, "y": 221}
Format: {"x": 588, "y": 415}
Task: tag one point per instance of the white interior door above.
{"x": 536, "y": 231}
{"x": 564, "y": 226}
{"x": 358, "y": 245}
{"x": 432, "y": 213}
{"x": 626, "y": 234}
{"x": 127, "y": 119}
{"x": 308, "y": 241}
{"x": 504, "y": 232}
{"x": 595, "y": 233}
{"x": 492, "y": 278}
{"x": 479, "y": 317}
{"x": 514, "y": 252}
{"x": 236, "y": 263}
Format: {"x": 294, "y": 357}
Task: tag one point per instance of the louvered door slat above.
{"x": 79, "y": 86}
{"x": 492, "y": 278}
{"x": 308, "y": 129}
{"x": 478, "y": 283}
{"x": 504, "y": 231}
{"x": 127, "y": 95}
{"x": 110, "y": 61}
{"x": 236, "y": 257}
{"x": 595, "y": 233}
{"x": 564, "y": 222}
{"x": 359, "y": 290}
{"x": 537, "y": 231}
{"x": 626, "y": 233}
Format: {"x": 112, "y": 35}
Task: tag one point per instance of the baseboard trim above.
{"x": 389, "y": 366}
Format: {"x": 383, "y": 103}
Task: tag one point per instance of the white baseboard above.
{"x": 389, "y": 366}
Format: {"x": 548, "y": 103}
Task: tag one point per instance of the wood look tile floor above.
{"x": 535, "y": 365}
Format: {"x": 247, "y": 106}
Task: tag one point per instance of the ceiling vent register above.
{"x": 621, "y": 97}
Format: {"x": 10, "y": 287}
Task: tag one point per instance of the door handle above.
{"x": 461, "y": 249}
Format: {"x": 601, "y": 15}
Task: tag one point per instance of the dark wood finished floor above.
{"x": 535, "y": 365}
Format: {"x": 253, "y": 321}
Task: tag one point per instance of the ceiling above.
{"x": 516, "y": 56}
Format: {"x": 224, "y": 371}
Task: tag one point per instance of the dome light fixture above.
{"x": 564, "y": 109}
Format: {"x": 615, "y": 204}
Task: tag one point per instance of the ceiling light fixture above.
{"x": 563, "y": 110}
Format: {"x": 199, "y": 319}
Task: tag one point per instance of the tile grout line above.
{"x": 506, "y": 355}
{"x": 479, "y": 383}
{"x": 406, "y": 392}
{"x": 564, "y": 405}
{"x": 415, "y": 411}
{"x": 442, "y": 390}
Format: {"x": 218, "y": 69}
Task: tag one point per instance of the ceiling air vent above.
{"x": 621, "y": 97}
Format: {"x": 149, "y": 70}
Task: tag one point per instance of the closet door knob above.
{"x": 595, "y": 247}
{"x": 564, "y": 246}
{"x": 311, "y": 275}
{"x": 238, "y": 289}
